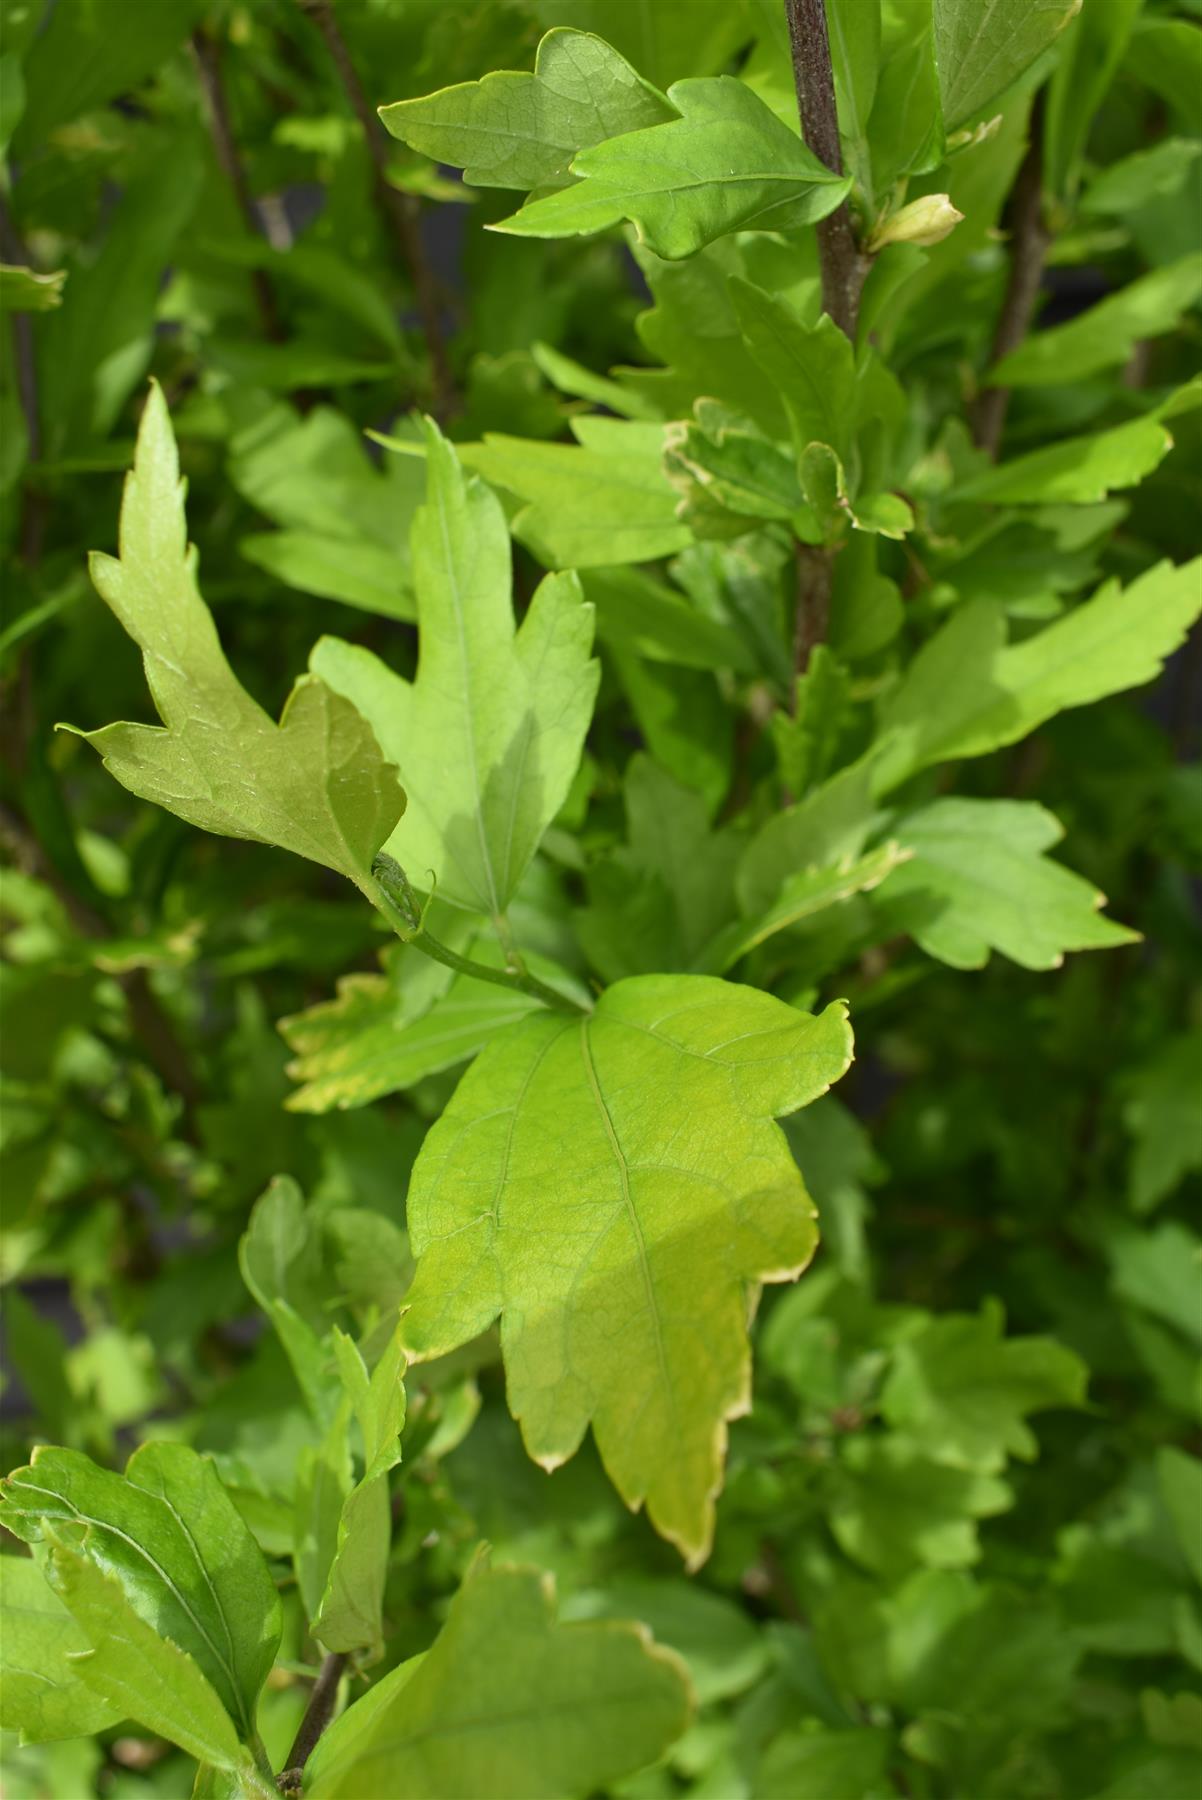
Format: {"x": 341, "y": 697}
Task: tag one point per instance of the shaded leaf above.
{"x": 513, "y": 130}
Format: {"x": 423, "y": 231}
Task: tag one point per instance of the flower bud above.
{"x": 923, "y": 222}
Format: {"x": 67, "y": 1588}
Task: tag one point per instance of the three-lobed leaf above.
{"x": 962, "y": 1389}
{"x": 610, "y": 1186}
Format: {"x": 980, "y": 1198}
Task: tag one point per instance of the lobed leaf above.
{"x": 609, "y": 1186}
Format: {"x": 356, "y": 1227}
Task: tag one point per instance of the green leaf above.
{"x": 806, "y": 740}
{"x": 1093, "y": 49}
{"x": 813, "y": 1764}
{"x": 968, "y": 692}
{"x": 674, "y": 1189}
{"x": 507, "y": 1703}
{"x": 96, "y": 348}
{"x": 981, "y": 46}
{"x": 521, "y": 131}
{"x": 1135, "y": 181}
{"x": 42, "y": 1692}
{"x": 606, "y": 502}
{"x": 1180, "y": 1479}
{"x": 812, "y": 367}
{"x": 1161, "y": 1114}
{"x": 906, "y": 128}
{"x": 1167, "y": 55}
{"x": 1158, "y": 1271}
{"x": 893, "y": 1507}
{"x": 647, "y": 618}
{"x": 802, "y": 895}
{"x": 86, "y": 55}
{"x": 657, "y": 901}
{"x": 961, "y": 1389}
{"x": 489, "y": 734}
{"x": 855, "y": 44}
{"x": 1078, "y": 470}
{"x": 1105, "y": 336}
{"x": 139, "y": 1671}
{"x": 666, "y": 41}
{"x": 727, "y": 164}
{"x": 728, "y": 475}
{"x": 351, "y": 1050}
{"x": 977, "y": 880}
{"x": 725, "y": 1650}
{"x": 280, "y": 1257}
{"x": 315, "y": 784}
{"x": 24, "y": 290}
{"x": 169, "y": 1544}
{"x": 828, "y": 827}
{"x": 349, "y": 1615}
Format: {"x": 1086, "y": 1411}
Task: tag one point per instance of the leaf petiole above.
{"x": 407, "y": 916}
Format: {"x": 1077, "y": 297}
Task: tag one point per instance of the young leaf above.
{"x": 514, "y": 130}
{"x": 349, "y": 1613}
{"x": 167, "y": 1538}
{"x": 727, "y": 164}
{"x": 802, "y": 895}
{"x": 977, "y": 879}
{"x": 315, "y": 784}
{"x": 606, "y": 502}
{"x": 489, "y": 734}
{"x": 961, "y": 1389}
{"x": 968, "y": 692}
{"x": 981, "y": 46}
{"x": 280, "y": 1258}
{"x": 507, "y": 1703}
{"x": 42, "y": 1692}
{"x": 1105, "y": 336}
{"x": 673, "y": 1188}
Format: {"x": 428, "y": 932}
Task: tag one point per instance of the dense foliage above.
{"x": 693, "y": 588}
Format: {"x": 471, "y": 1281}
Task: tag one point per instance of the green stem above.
{"x": 400, "y": 905}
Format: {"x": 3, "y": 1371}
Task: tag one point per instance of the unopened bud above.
{"x": 923, "y": 222}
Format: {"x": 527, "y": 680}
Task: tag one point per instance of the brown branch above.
{"x": 811, "y": 618}
{"x": 1029, "y": 240}
{"x": 402, "y": 211}
{"x": 317, "y": 1716}
{"x": 206, "y": 55}
{"x": 842, "y": 265}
